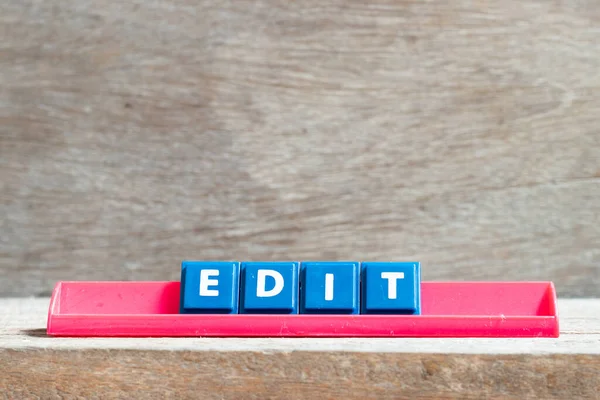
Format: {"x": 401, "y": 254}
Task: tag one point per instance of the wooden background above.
{"x": 465, "y": 135}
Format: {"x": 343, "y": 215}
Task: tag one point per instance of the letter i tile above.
{"x": 269, "y": 288}
{"x": 329, "y": 287}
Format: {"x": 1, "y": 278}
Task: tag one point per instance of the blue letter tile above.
{"x": 391, "y": 288}
{"x": 329, "y": 287}
{"x": 269, "y": 288}
{"x": 209, "y": 287}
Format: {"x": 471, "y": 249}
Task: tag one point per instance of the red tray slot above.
{"x": 449, "y": 309}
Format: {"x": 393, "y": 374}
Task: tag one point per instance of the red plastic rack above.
{"x": 449, "y": 309}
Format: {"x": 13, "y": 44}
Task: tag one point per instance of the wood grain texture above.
{"x": 124, "y": 374}
{"x": 36, "y": 366}
{"x": 464, "y": 135}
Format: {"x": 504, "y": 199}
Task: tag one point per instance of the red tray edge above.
{"x": 164, "y": 325}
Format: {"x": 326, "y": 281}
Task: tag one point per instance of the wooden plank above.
{"x": 37, "y": 366}
{"x": 460, "y": 134}
{"x": 119, "y": 374}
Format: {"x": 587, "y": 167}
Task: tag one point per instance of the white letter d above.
{"x": 261, "y": 283}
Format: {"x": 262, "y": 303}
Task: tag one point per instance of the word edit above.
{"x": 293, "y": 287}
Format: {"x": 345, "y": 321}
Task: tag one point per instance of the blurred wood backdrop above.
{"x": 465, "y": 135}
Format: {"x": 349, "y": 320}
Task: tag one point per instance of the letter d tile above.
{"x": 269, "y": 288}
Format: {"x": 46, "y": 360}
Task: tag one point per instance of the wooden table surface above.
{"x": 34, "y": 365}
